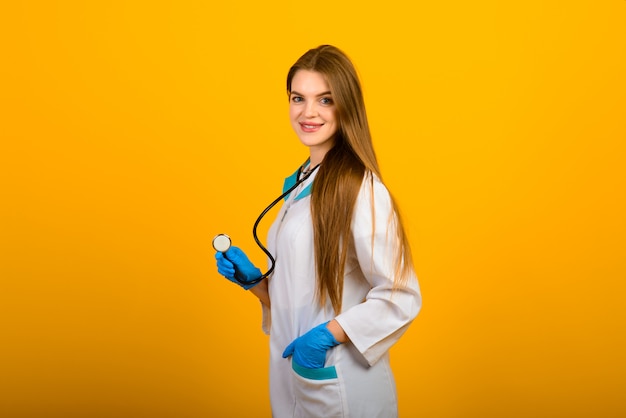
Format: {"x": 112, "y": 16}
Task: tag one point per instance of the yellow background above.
{"x": 134, "y": 131}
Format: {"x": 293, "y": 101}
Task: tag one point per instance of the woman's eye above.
{"x": 297, "y": 99}
{"x": 326, "y": 100}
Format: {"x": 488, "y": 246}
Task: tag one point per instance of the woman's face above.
{"x": 313, "y": 113}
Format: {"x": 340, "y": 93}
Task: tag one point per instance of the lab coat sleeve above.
{"x": 374, "y": 325}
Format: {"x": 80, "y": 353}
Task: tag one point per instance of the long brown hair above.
{"x": 337, "y": 184}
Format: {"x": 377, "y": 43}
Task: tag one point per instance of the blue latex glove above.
{"x": 309, "y": 350}
{"x": 235, "y": 262}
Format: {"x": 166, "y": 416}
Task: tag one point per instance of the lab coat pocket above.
{"x": 319, "y": 392}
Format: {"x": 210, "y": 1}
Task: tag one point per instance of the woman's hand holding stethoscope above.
{"x": 234, "y": 264}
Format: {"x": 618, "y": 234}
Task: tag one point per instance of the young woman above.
{"x": 343, "y": 290}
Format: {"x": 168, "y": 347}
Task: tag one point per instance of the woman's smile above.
{"x": 310, "y": 127}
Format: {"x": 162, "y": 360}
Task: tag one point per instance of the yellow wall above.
{"x": 133, "y": 131}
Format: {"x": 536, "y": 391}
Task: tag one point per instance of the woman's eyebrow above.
{"x": 319, "y": 95}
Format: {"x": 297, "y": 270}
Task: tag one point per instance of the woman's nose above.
{"x": 310, "y": 109}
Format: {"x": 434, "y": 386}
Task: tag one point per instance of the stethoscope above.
{"x": 222, "y": 242}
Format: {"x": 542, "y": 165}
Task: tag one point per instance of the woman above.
{"x": 343, "y": 290}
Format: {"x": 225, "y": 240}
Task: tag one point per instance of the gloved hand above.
{"x": 234, "y": 261}
{"x": 309, "y": 350}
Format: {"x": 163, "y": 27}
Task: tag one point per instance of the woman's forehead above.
{"x": 309, "y": 82}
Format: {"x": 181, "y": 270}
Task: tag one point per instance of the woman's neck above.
{"x": 317, "y": 156}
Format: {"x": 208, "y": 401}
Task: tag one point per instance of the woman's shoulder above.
{"x": 371, "y": 178}
{"x": 373, "y": 187}
{"x": 373, "y": 205}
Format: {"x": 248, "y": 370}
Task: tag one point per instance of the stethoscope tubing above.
{"x": 258, "y": 220}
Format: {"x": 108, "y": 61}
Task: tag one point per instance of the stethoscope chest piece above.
{"x": 221, "y": 243}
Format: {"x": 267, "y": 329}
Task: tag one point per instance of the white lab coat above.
{"x": 357, "y": 380}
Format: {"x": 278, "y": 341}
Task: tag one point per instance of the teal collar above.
{"x": 290, "y": 181}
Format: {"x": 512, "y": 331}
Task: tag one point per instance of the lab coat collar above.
{"x": 290, "y": 181}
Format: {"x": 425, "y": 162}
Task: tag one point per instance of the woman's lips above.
{"x": 310, "y": 127}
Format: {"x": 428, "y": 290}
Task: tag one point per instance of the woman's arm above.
{"x": 338, "y": 332}
{"x": 376, "y": 323}
{"x": 261, "y": 292}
